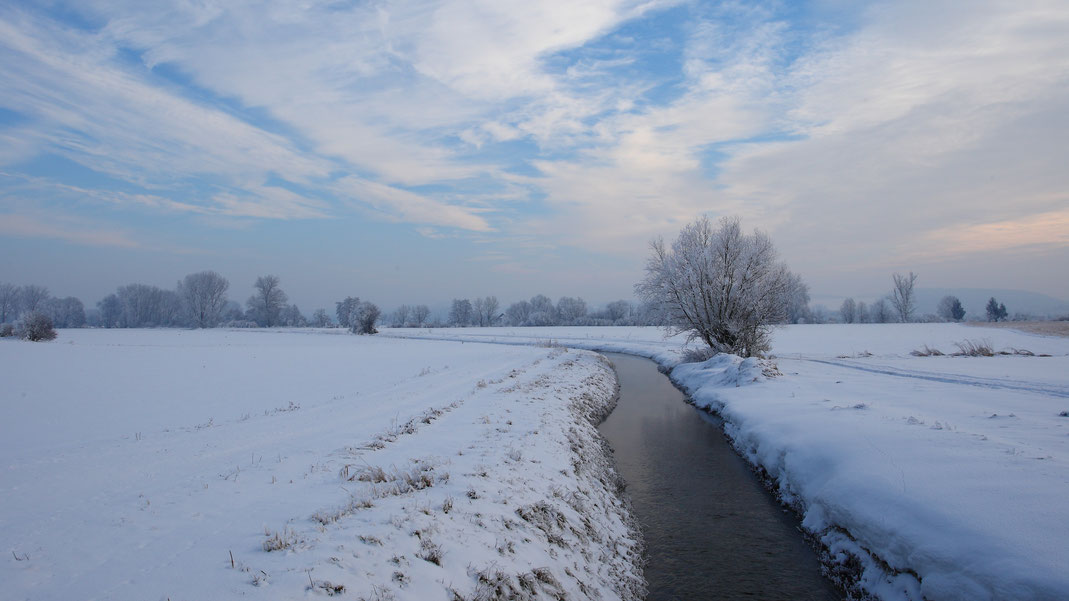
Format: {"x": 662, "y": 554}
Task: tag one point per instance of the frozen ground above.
{"x": 164, "y": 464}
{"x": 942, "y": 477}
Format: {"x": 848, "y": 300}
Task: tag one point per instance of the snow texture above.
{"x": 940, "y": 477}
{"x": 165, "y": 464}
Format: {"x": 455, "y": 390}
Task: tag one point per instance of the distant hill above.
{"x": 975, "y": 300}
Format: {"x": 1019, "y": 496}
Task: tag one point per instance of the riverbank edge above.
{"x": 594, "y": 459}
{"x": 854, "y": 570}
{"x": 850, "y": 567}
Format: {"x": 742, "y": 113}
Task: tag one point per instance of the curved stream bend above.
{"x": 711, "y": 530}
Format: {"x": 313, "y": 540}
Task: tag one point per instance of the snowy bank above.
{"x": 934, "y": 477}
{"x": 220, "y": 464}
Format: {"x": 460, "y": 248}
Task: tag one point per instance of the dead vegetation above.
{"x": 280, "y": 541}
{"x": 1045, "y": 328}
{"x": 974, "y": 348}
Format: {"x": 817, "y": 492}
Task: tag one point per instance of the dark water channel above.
{"x": 712, "y": 531}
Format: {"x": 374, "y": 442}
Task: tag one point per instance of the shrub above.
{"x": 7, "y": 330}
{"x": 698, "y": 355}
{"x": 36, "y": 327}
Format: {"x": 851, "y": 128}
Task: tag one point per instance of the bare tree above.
{"x": 143, "y": 306}
{"x": 950, "y": 308}
{"x": 65, "y": 312}
{"x": 798, "y": 310}
{"x": 31, "y": 297}
{"x": 617, "y": 310}
{"x": 420, "y": 313}
{"x": 862, "y": 312}
{"x": 490, "y": 309}
{"x": 518, "y": 313}
{"x": 720, "y": 285}
{"x": 110, "y": 311}
{"x": 401, "y": 316}
{"x": 268, "y": 300}
{"x": 569, "y": 309}
{"x": 478, "y": 311}
{"x": 203, "y": 297}
{"x": 9, "y": 302}
{"x": 902, "y": 298}
{"x": 461, "y": 312}
{"x": 848, "y": 311}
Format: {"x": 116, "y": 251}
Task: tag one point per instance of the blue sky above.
{"x": 419, "y": 151}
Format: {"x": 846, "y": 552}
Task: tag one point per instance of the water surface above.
{"x": 712, "y": 531}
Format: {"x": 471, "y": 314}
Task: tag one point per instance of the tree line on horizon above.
{"x": 900, "y": 306}
{"x": 199, "y": 300}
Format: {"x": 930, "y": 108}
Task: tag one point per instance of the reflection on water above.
{"x": 712, "y": 531}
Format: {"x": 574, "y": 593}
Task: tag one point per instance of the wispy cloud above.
{"x": 66, "y": 230}
{"x": 861, "y": 132}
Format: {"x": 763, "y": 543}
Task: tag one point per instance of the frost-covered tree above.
{"x": 320, "y": 319}
{"x": 364, "y": 317}
{"x": 267, "y": 301}
{"x": 344, "y": 308}
{"x": 881, "y": 311}
{"x": 110, "y": 311}
{"x": 491, "y": 307}
{"x": 9, "y": 302}
{"x": 798, "y": 310}
{"x": 720, "y": 285}
{"x": 291, "y": 316}
{"x": 902, "y": 296}
{"x": 203, "y": 296}
{"x": 420, "y": 313}
{"x": 950, "y": 308}
{"x": 461, "y": 312}
{"x": 65, "y": 312}
{"x": 848, "y": 311}
{"x": 862, "y": 312}
{"x": 995, "y": 310}
{"x": 401, "y": 316}
{"x": 617, "y": 310}
{"x": 32, "y": 297}
{"x": 570, "y": 309}
{"x": 543, "y": 312}
{"x": 144, "y": 306}
{"x": 478, "y": 312}
{"x": 518, "y": 313}
{"x": 232, "y": 311}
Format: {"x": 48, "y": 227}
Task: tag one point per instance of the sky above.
{"x": 417, "y": 151}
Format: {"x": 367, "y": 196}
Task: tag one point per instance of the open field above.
{"x": 168, "y": 464}
{"x": 1046, "y": 328}
{"x": 942, "y": 477}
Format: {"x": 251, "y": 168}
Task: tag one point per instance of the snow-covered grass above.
{"x": 942, "y": 477}
{"x": 163, "y": 464}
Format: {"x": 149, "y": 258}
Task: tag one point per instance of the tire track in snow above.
{"x": 962, "y": 380}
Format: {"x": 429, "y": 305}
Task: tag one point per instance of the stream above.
{"x": 712, "y": 531}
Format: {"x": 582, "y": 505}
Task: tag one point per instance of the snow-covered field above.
{"x": 164, "y": 464}
{"x": 941, "y": 476}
